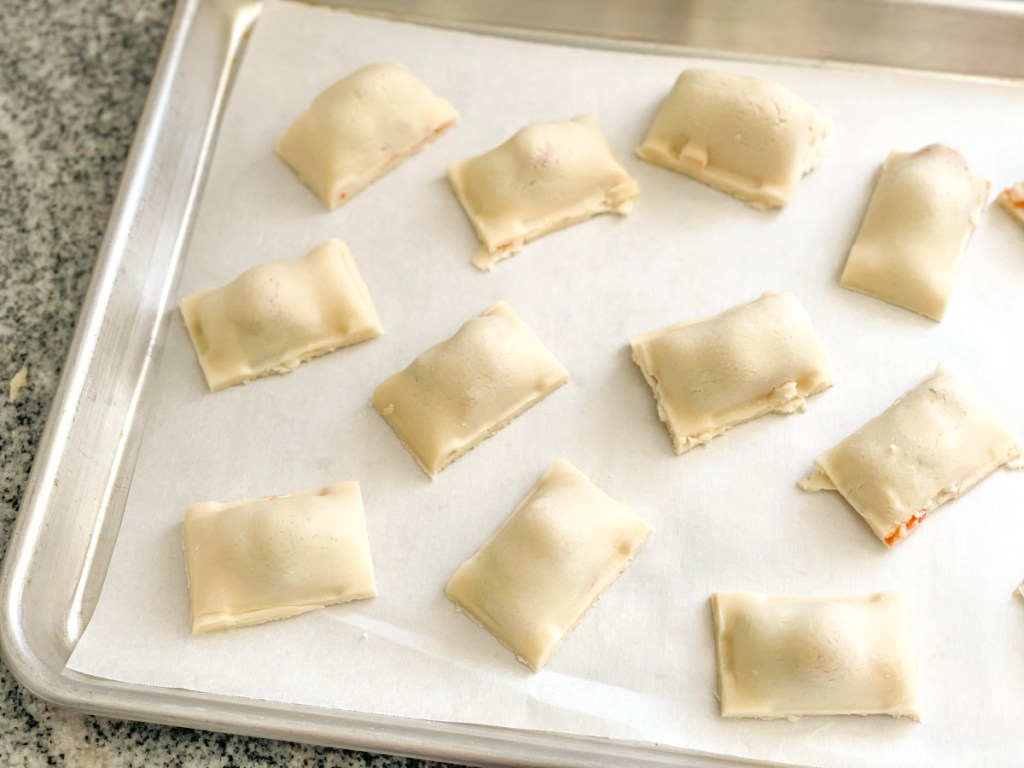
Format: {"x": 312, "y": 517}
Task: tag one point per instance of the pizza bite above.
{"x": 794, "y": 655}
{"x": 1011, "y": 200}
{"x": 920, "y": 218}
{"x": 933, "y": 444}
{"x": 750, "y": 137}
{"x": 360, "y": 128}
{"x": 531, "y": 583}
{"x": 709, "y": 375}
{"x": 277, "y": 315}
{"x": 249, "y": 562}
{"x": 465, "y": 389}
{"x": 546, "y": 177}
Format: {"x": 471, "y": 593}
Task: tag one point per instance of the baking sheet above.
{"x": 727, "y": 517}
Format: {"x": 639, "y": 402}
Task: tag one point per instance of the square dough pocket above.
{"x": 933, "y": 444}
{"x": 277, "y": 315}
{"x": 465, "y": 389}
{"x": 249, "y": 562}
{"x": 546, "y": 177}
{"x": 1011, "y": 200}
{"x": 711, "y": 374}
{"x": 795, "y": 655}
{"x": 360, "y": 128}
{"x": 747, "y": 136}
{"x": 532, "y": 582}
{"x": 920, "y": 218}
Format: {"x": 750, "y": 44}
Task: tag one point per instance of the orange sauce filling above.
{"x": 904, "y": 529}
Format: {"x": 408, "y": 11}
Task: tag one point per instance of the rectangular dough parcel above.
{"x": 711, "y": 374}
{"x": 465, "y": 389}
{"x": 1011, "y": 200}
{"x": 933, "y": 444}
{"x": 360, "y": 128}
{"x": 249, "y": 562}
{"x": 277, "y": 315}
{"x": 531, "y": 583}
{"x": 924, "y": 208}
{"x": 546, "y": 177}
{"x": 747, "y": 136}
{"x": 795, "y": 655}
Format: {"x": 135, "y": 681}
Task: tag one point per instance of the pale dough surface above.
{"x": 468, "y": 387}
{"x": 546, "y": 177}
{"x": 709, "y": 375}
{"x": 549, "y": 561}
{"x": 360, "y": 128}
{"x": 924, "y": 208}
{"x": 254, "y": 561}
{"x": 934, "y": 443}
{"x": 747, "y": 136}
{"x": 794, "y": 655}
{"x": 275, "y": 316}
{"x": 1011, "y": 200}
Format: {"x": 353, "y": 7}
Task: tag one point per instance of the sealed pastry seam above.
{"x": 711, "y": 374}
{"x": 934, "y": 444}
{"x": 918, "y": 223}
{"x": 360, "y": 128}
{"x": 249, "y": 562}
{"x": 542, "y": 571}
{"x": 548, "y": 176}
{"x": 465, "y": 389}
{"x": 747, "y": 136}
{"x": 788, "y": 656}
{"x": 275, "y": 316}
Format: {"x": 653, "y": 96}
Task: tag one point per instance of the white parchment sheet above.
{"x": 729, "y": 516}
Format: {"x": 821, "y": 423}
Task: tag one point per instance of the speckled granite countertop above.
{"x": 73, "y": 81}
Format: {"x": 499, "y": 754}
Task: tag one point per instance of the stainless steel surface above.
{"x": 982, "y": 38}
{"x": 70, "y": 514}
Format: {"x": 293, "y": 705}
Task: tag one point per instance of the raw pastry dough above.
{"x": 549, "y": 561}
{"x": 747, "y": 136}
{"x": 546, "y": 177}
{"x": 18, "y": 383}
{"x": 920, "y": 218}
{"x": 275, "y": 316}
{"x": 249, "y": 562}
{"x": 793, "y": 655}
{"x": 1012, "y": 200}
{"x": 933, "y": 444}
{"x": 465, "y": 389}
{"x": 360, "y": 128}
{"x": 711, "y": 374}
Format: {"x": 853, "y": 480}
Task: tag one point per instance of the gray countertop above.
{"x": 73, "y": 81}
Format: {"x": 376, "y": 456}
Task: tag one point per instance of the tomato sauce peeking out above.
{"x": 904, "y": 528}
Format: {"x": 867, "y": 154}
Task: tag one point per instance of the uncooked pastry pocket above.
{"x": 794, "y": 655}
{"x": 933, "y": 444}
{"x": 468, "y": 387}
{"x": 1011, "y": 200}
{"x": 546, "y": 177}
{"x": 924, "y": 208}
{"x": 747, "y": 136}
{"x": 360, "y": 128}
{"x": 709, "y": 375}
{"x": 249, "y": 562}
{"x": 531, "y": 583}
{"x": 275, "y": 316}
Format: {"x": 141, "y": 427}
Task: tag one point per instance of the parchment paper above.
{"x": 729, "y": 516}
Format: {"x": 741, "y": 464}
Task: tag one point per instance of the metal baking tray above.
{"x": 71, "y": 511}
